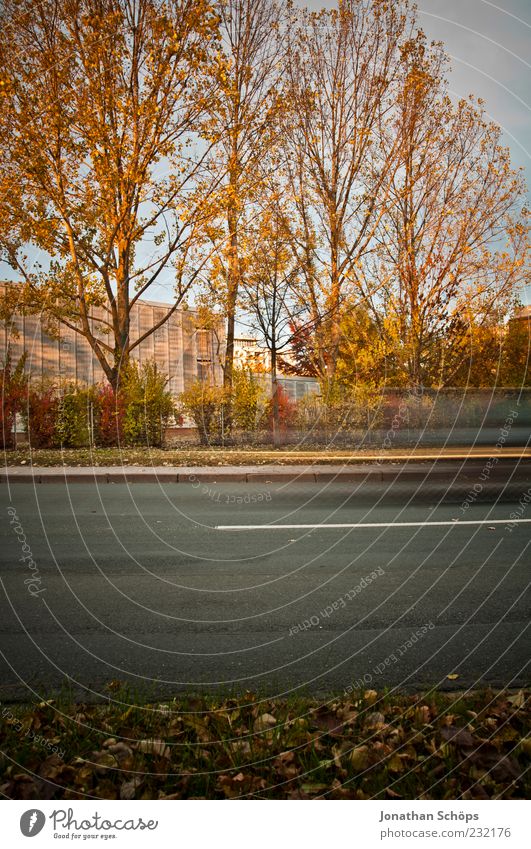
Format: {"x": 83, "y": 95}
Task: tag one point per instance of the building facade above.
{"x": 248, "y": 353}
{"x": 181, "y": 349}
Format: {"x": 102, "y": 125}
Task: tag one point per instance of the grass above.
{"x": 365, "y": 746}
{"x": 188, "y": 455}
{"x": 182, "y": 456}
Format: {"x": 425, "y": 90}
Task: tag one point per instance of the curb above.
{"x": 440, "y": 470}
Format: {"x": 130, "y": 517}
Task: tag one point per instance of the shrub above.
{"x": 14, "y": 384}
{"x": 40, "y": 416}
{"x": 58, "y": 416}
{"x": 308, "y": 414}
{"x": 203, "y": 403}
{"x": 287, "y": 411}
{"x": 148, "y": 405}
{"x": 109, "y": 415}
{"x": 73, "y": 416}
{"x": 419, "y": 411}
{"x": 247, "y": 399}
{"x": 367, "y": 406}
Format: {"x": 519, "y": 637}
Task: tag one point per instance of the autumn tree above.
{"x": 451, "y": 242}
{"x": 495, "y": 352}
{"x": 301, "y": 359}
{"x": 515, "y": 360}
{"x": 341, "y": 70}
{"x": 241, "y": 125}
{"x": 364, "y": 354}
{"x": 269, "y": 292}
{"x": 101, "y": 171}
{"x": 475, "y": 357}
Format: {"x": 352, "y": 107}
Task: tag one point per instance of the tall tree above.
{"x": 515, "y": 361}
{"x": 451, "y": 243}
{"x": 100, "y": 101}
{"x": 364, "y": 355}
{"x": 495, "y": 353}
{"x": 341, "y": 73}
{"x": 269, "y": 293}
{"x": 242, "y": 125}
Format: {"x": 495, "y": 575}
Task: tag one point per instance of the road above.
{"x": 140, "y": 584}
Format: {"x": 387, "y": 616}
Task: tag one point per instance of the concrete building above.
{"x": 182, "y": 350}
{"x": 249, "y": 354}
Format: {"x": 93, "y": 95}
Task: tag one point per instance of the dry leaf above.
{"x": 359, "y": 758}
{"x": 518, "y": 700}
{"x": 264, "y": 722}
{"x": 459, "y": 736}
{"x": 128, "y": 788}
{"x": 395, "y": 764}
{"x": 374, "y": 720}
{"x": 153, "y": 747}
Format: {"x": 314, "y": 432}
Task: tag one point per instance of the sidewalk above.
{"x": 436, "y": 467}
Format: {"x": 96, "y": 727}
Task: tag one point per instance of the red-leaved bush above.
{"x": 109, "y": 409}
{"x": 287, "y": 410}
{"x": 41, "y": 417}
{"x": 72, "y": 416}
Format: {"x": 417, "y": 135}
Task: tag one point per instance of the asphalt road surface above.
{"x": 155, "y": 586}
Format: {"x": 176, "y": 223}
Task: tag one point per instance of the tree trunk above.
{"x": 274, "y": 397}
{"x": 233, "y": 285}
{"x": 121, "y": 349}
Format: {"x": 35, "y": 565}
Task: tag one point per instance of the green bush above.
{"x": 148, "y": 405}
{"x": 203, "y": 403}
{"x": 248, "y": 400}
{"x": 73, "y": 417}
{"x": 207, "y": 405}
{"x": 58, "y": 416}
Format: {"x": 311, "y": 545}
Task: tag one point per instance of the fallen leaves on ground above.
{"x": 373, "y": 745}
{"x": 189, "y": 455}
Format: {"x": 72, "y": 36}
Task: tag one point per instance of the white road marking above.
{"x": 324, "y": 525}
